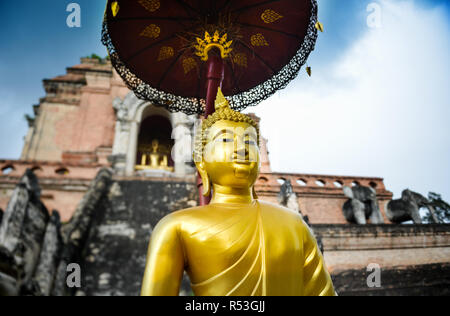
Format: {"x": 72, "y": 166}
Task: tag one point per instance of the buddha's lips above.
{"x": 242, "y": 172}
{"x": 242, "y": 162}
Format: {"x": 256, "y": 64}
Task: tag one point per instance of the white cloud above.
{"x": 382, "y": 109}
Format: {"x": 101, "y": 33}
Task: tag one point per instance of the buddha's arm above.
{"x": 165, "y": 261}
{"x": 317, "y": 280}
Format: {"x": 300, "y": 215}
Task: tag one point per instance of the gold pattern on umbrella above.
{"x": 166, "y": 52}
{"x": 150, "y": 5}
{"x": 240, "y": 59}
{"x": 259, "y": 40}
{"x": 270, "y": 16}
{"x": 151, "y": 31}
{"x": 189, "y": 64}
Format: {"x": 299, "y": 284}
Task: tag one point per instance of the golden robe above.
{"x": 236, "y": 250}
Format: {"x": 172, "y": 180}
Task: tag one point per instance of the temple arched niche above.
{"x": 155, "y": 143}
{"x": 145, "y": 138}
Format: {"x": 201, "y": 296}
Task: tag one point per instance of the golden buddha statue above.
{"x": 236, "y": 245}
{"x": 154, "y": 156}
{"x": 157, "y": 159}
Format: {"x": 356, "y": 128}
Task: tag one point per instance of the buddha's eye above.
{"x": 250, "y": 142}
{"x": 226, "y": 140}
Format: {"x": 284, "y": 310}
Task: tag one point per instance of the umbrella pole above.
{"x": 214, "y": 77}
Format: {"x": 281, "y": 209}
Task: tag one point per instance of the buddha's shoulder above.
{"x": 271, "y": 209}
{"x": 279, "y": 216}
{"x": 207, "y": 214}
{"x": 183, "y": 215}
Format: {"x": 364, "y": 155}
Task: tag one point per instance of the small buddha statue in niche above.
{"x": 155, "y": 155}
{"x": 236, "y": 245}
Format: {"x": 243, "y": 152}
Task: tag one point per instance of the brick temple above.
{"x": 89, "y": 120}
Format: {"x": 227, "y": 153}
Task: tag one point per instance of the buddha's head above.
{"x": 227, "y": 149}
{"x": 155, "y": 145}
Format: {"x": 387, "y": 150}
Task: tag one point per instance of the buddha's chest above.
{"x": 239, "y": 247}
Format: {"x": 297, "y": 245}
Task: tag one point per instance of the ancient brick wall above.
{"x": 356, "y": 246}
{"x": 413, "y": 259}
{"x": 114, "y": 253}
{"x": 43, "y": 145}
{"x": 63, "y": 185}
{"x": 420, "y": 280}
{"x": 76, "y": 115}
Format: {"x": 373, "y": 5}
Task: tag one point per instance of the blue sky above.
{"x": 333, "y": 134}
{"x": 37, "y": 44}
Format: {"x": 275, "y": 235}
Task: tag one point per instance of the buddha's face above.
{"x": 231, "y": 155}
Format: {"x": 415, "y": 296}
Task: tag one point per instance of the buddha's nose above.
{"x": 241, "y": 151}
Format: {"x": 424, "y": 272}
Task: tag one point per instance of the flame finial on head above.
{"x": 221, "y": 102}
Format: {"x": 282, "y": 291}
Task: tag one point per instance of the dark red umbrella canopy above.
{"x": 154, "y": 46}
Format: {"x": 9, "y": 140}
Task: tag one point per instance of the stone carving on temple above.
{"x": 407, "y": 208}
{"x": 362, "y": 205}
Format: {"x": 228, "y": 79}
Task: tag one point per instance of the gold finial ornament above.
{"x": 319, "y": 26}
{"x": 209, "y": 42}
{"x": 221, "y": 102}
{"x": 115, "y": 8}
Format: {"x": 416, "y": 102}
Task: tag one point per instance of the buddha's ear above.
{"x": 205, "y": 178}
{"x": 255, "y": 196}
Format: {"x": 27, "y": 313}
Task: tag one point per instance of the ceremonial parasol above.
{"x": 176, "y": 53}
{"x": 172, "y": 52}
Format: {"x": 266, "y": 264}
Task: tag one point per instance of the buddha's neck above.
{"x": 229, "y": 195}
